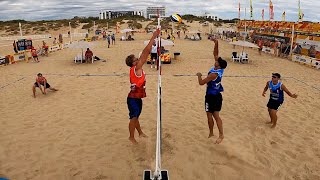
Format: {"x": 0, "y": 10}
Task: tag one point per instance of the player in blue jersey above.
{"x": 276, "y": 97}
{"x": 213, "y": 98}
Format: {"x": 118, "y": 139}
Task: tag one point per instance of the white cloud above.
{"x": 226, "y": 9}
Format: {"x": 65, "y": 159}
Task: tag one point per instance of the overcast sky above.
{"x": 225, "y": 9}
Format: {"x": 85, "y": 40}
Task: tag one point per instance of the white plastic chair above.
{"x": 244, "y": 57}
{"x": 235, "y": 57}
{"x": 78, "y": 58}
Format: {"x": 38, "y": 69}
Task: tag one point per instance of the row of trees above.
{"x": 45, "y": 25}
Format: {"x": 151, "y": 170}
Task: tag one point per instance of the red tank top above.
{"x": 138, "y": 83}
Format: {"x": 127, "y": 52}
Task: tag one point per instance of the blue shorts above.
{"x": 134, "y": 106}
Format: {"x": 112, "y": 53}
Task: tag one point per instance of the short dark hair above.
{"x": 222, "y": 63}
{"x": 39, "y": 74}
{"x": 276, "y": 74}
{"x": 129, "y": 60}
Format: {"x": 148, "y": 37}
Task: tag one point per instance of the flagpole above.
{"x": 251, "y": 10}
{"x": 20, "y": 29}
{"x": 292, "y": 38}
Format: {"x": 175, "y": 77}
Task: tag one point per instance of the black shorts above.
{"x": 154, "y": 56}
{"x": 213, "y": 102}
{"x": 47, "y": 85}
{"x": 273, "y": 104}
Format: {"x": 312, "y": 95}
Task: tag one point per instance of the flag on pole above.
{"x": 300, "y": 14}
{"x": 251, "y": 10}
{"x": 262, "y": 14}
{"x": 20, "y": 28}
{"x": 239, "y": 11}
{"x": 284, "y": 16}
{"x": 271, "y": 13}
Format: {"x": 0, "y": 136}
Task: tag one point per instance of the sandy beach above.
{"x": 81, "y": 131}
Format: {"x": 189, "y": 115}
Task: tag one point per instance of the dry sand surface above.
{"x": 81, "y": 131}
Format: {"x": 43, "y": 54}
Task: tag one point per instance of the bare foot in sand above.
{"x": 219, "y": 140}
{"x": 269, "y": 122}
{"x": 273, "y": 126}
{"x": 210, "y": 135}
{"x": 143, "y": 135}
{"x": 133, "y": 140}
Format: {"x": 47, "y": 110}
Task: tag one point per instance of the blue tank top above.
{"x": 215, "y": 87}
{"x": 276, "y": 93}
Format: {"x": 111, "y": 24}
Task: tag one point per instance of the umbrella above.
{"x": 81, "y": 45}
{"x": 244, "y": 44}
{"x": 126, "y": 30}
{"x": 164, "y": 42}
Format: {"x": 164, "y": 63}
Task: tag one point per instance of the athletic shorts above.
{"x": 47, "y": 85}
{"x": 213, "y": 102}
{"x": 154, "y": 56}
{"x": 134, "y": 106}
{"x": 273, "y": 104}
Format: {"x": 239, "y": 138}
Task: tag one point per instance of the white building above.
{"x": 110, "y": 14}
{"x": 210, "y": 16}
{"x": 152, "y": 12}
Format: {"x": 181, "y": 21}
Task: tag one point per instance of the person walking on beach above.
{"x": 260, "y": 44}
{"x": 41, "y": 81}
{"x": 213, "y": 98}
{"x": 154, "y": 54}
{"x": 108, "y": 39}
{"x": 138, "y": 91}
{"x": 34, "y": 54}
{"x": 276, "y": 97}
{"x": 113, "y": 38}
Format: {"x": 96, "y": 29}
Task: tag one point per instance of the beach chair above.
{"x": 235, "y": 57}
{"x": 147, "y": 175}
{"x": 244, "y": 57}
{"x": 78, "y": 58}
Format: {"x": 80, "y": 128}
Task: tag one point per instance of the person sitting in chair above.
{"x": 88, "y": 55}
{"x": 163, "y": 50}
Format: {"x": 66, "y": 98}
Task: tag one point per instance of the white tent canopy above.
{"x": 81, "y": 45}
{"x": 126, "y": 30}
{"x": 244, "y": 44}
{"x": 164, "y": 42}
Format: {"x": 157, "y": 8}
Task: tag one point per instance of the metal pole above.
{"x": 94, "y": 27}
{"x": 292, "y": 38}
{"x": 70, "y": 32}
{"x": 20, "y": 29}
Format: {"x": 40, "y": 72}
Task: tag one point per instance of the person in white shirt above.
{"x": 154, "y": 54}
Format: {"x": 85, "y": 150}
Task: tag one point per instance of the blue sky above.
{"x": 225, "y": 9}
